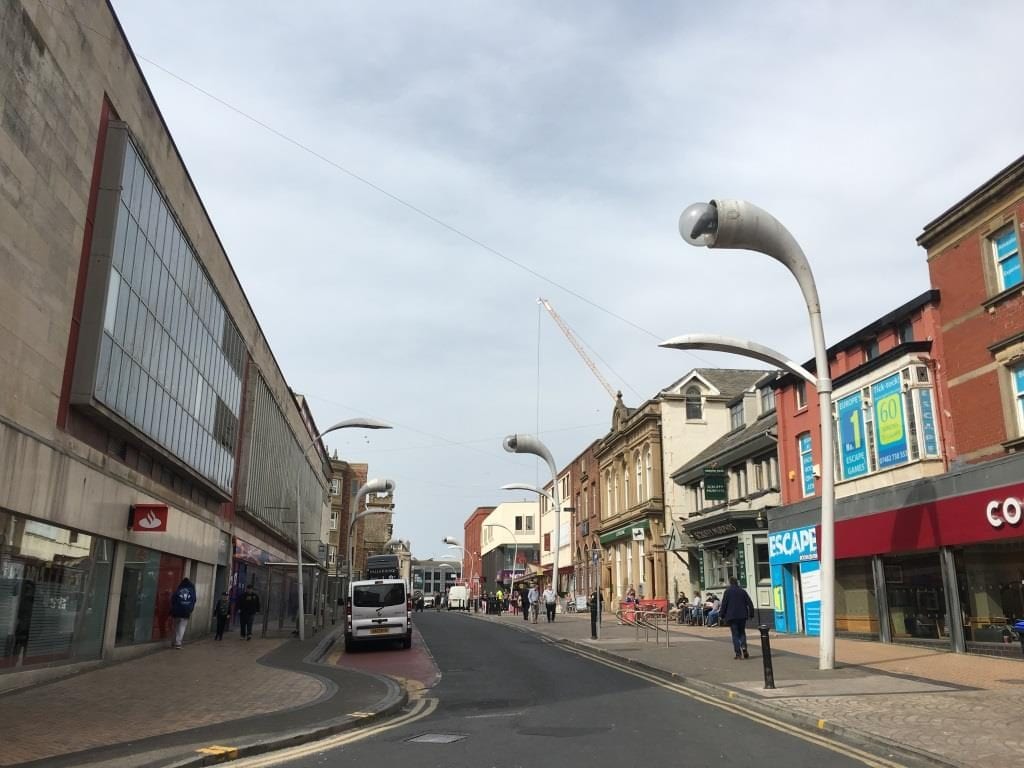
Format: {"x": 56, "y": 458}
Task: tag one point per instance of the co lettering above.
{"x": 1007, "y": 512}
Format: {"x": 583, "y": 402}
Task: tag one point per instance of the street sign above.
{"x": 715, "y": 485}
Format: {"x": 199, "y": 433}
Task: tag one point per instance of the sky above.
{"x": 397, "y": 183}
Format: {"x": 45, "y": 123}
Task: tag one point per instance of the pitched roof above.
{"x": 731, "y": 382}
{"x": 740, "y": 443}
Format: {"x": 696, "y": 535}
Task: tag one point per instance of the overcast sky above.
{"x": 566, "y": 138}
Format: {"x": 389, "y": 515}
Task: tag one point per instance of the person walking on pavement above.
{"x": 549, "y": 602}
{"x": 183, "y": 602}
{"x": 534, "y": 598}
{"x": 735, "y": 609}
{"x": 248, "y": 607}
{"x": 524, "y": 603}
{"x": 221, "y": 612}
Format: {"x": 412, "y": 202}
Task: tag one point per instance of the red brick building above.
{"x": 471, "y": 564}
{"x": 974, "y": 259}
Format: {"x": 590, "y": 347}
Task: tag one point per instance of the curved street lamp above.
{"x": 451, "y": 541}
{"x": 377, "y": 485}
{"x": 529, "y": 444}
{"x": 346, "y": 424}
{"x": 739, "y": 224}
{"x": 515, "y": 551}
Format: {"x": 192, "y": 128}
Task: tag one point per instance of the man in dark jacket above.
{"x": 248, "y": 607}
{"x": 183, "y": 602}
{"x": 736, "y": 608}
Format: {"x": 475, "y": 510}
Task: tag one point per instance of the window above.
{"x": 736, "y": 415}
{"x": 1018, "y": 394}
{"x": 547, "y": 542}
{"x": 529, "y": 522}
{"x": 739, "y": 474}
{"x": 608, "y": 493}
{"x": 639, "y": 478}
{"x": 334, "y": 519}
{"x": 336, "y": 487}
{"x": 1006, "y": 251}
{"x": 905, "y": 332}
{"x": 764, "y": 571}
{"x": 806, "y": 463}
{"x": 625, "y": 485}
{"x": 694, "y": 410}
{"x": 871, "y": 350}
{"x": 649, "y": 472}
{"x": 519, "y": 523}
{"x": 801, "y": 394}
{"x": 615, "y": 493}
{"x": 698, "y": 497}
{"x": 767, "y": 400}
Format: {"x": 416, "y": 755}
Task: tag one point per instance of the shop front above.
{"x": 632, "y": 562}
{"x": 944, "y": 568}
{"x": 731, "y": 544}
{"x": 796, "y": 582}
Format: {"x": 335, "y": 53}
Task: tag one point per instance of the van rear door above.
{"x": 379, "y": 610}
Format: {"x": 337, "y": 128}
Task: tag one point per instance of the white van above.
{"x": 378, "y": 609}
{"x": 458, "y": 597}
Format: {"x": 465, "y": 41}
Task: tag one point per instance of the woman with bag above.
{"x": 735, "y": 609}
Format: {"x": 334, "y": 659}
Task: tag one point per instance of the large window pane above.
{"x": 148, "y": 580}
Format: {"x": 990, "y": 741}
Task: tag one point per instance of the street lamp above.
{"x": 452, "y": 542}
{"x": 739, "y": 224}
{"x": 529, "y": 444}
{"x": 346, "y": 424}
{"x": 377, "y": 485}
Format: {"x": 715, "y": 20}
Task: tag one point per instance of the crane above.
{"x": 579, "y": 347}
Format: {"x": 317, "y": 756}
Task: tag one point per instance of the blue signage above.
{"x": 890, "y": 426}
{"x": 853, "y": 448}
{"x": 807, "y": 464}
{"x": 810, "y": 592}
{"x": 792, "y": 546}
{"x": 931, "y": 442}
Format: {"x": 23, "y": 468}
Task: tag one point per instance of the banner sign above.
{"x": 890, "y": 431}
{"x": 147, "y": 518}
{"x": 853, "y": 449}
{"x": 931, "y": 442}
{"x": 715, "y": 485}
{"x": 807, "y": 464}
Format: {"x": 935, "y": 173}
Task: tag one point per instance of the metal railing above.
{"x": 656, "y": 621}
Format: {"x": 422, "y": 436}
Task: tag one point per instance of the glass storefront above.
{"x": 916, "y": 596}
{"x": 856, "y": 607}
{"x": 148, "y": 581}
{"x": 53, "y": 592}
{"x": 991, "y": 583}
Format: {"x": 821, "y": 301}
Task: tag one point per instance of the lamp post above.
{"x": 739, "y": 224}
{"x": 347, "y": 424}
{"x": 515, "y": 552}
{"x": 377, "y": 485}
{"x": 528, "y": 444}
{"x": 452, "y": 542}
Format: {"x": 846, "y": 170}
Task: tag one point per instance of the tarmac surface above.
{"x": 162, "y": 709}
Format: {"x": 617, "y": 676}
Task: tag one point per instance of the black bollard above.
{"x": 766, "y": 658}
{"x": 593, "y": 616}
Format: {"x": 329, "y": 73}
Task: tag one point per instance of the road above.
{"x": 506, "y": 698}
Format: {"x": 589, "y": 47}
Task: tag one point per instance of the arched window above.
{"x": 615, "y": 492}
{"x": 608, "y": 493}
{"x": 626, "y": 500}
{"x": 640, "y": 479}
{"x": 694, "y": 410}
{"x": 649, "y": 470}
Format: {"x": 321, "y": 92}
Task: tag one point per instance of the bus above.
{"x": 382, "y": 567}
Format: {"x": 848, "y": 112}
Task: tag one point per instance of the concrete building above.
{"x": 509, "y": 543}
{"x": 146, "y": 430}
{"x": 434, "y": 577}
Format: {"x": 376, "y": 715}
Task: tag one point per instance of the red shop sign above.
{"x": 147, "y": 518}
{"x": 989, "y": 515}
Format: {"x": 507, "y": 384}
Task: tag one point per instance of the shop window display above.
{"x": 991, "y": 590}
{"x": 53, "y": 592}
{"x": 917, "y": 598}
{"x": 856, "y": 607}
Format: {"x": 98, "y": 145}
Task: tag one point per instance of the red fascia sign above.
{"x": 147, "y": 518}
{"x": 989, "y": 515}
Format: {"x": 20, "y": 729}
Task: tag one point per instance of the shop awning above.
{"x": 625, "y": 532}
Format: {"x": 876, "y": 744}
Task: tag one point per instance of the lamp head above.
{"x": 698, "y": 224}
{"x": 379, "y": 485}
{"x": 450, "y": 540}
{"x": 357, "y": 424}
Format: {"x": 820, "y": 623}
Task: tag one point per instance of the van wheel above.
{"x": 407, "y": 643}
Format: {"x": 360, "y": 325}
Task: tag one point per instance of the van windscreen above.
{"x": 378, "y": 595}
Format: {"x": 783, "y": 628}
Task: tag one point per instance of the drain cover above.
{"x": 438, "y": 738}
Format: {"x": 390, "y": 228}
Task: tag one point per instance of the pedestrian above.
{"x": 248, "y": 607}
{"x": 222, "y": 612}
{"x": 735, "y": 609}
{"x": 524, "y": 602}
{"x": 696, "y": 611}
{"x": 714, "y": 615}
{"x": 183, "y": 602}
{"x": 631, "y": 595}
{"x": 500, "y": 597}
{"x": 550, "y": 598}
{"x": 534, "y": 597}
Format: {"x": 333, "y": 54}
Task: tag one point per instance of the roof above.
{"x": 740, "y": 443}
{"x": 729, "y": 382}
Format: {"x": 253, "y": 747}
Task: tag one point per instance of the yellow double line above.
{"x": 873, "y": 761}
{"x": 422, "y": 707}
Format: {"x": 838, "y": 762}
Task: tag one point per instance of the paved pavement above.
{"x": 161, "y": 708}
{"x": 954, "y": 709}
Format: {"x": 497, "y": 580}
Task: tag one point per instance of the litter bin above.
{"x": 1018, "y": 627}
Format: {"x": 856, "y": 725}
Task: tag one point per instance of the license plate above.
{"x": 379, "y": 631}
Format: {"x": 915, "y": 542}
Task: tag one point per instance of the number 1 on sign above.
{"x": 855, "y": 423}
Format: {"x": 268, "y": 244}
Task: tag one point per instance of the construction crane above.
{"x": 579, "y": 347}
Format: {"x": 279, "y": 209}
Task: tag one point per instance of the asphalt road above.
{"x": 506, "y": 698}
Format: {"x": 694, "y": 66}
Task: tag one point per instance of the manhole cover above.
{"x": 437, "y": 738}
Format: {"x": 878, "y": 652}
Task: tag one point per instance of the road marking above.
{"x": 421, "y": 709}
{"x": 873, "y": 761}
{"x": 215, "y": 749}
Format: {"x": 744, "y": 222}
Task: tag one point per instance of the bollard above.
{"x": 766, "y": 658}
{"x": 593, "y": 615}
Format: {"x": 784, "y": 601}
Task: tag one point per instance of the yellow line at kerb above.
{"x": 215, "y": 749}
{"x": 422, "y": 708}
{"x": 873, "y": 761}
